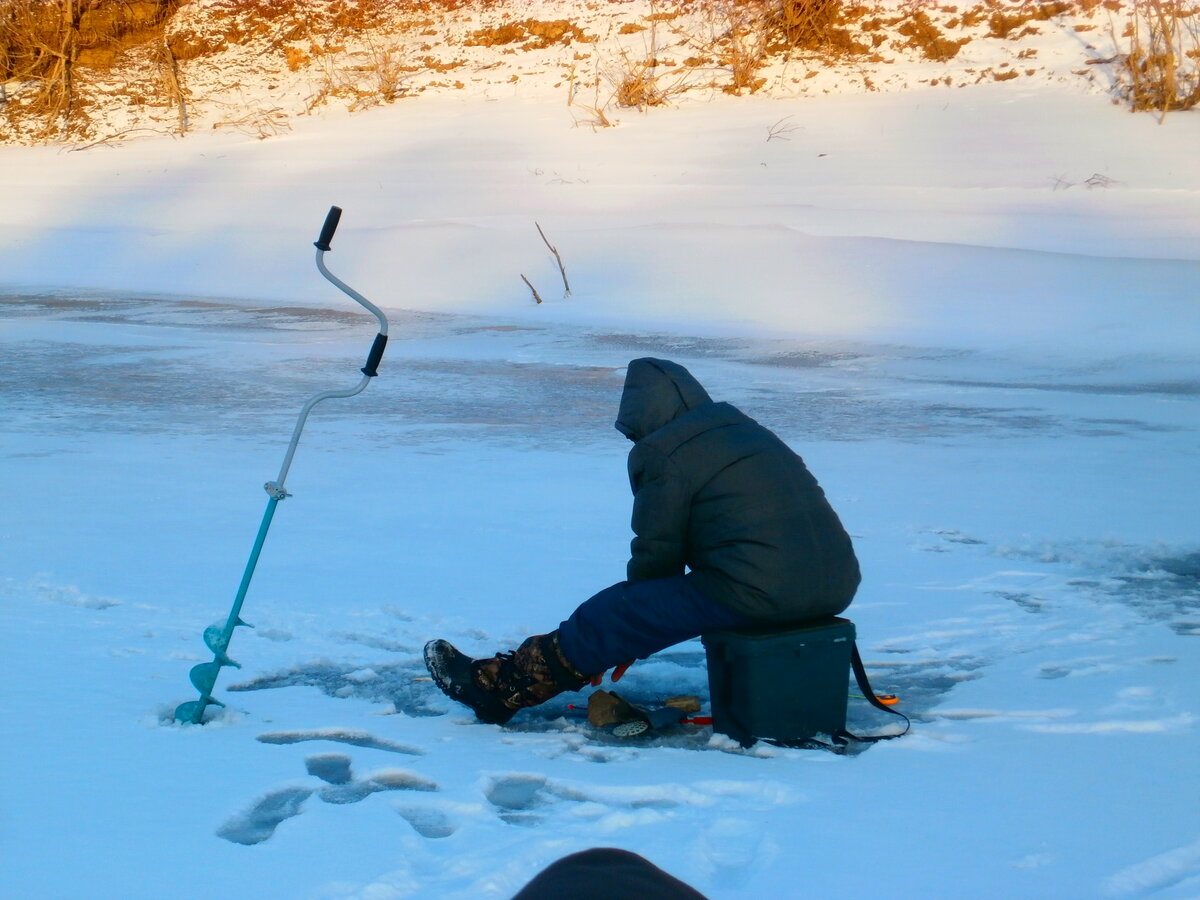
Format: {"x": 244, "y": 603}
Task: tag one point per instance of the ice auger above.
{"x": 217, "y": 635}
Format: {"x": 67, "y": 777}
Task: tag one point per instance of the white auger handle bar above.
{"x": 370, "y": 370}
{"x": 322, "y": 244}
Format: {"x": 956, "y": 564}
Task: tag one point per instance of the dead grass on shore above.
{"x": 1161, "y": 71}
{"x": 88, "y": 70}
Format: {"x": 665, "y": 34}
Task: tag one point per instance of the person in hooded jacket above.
{"x": 730, "y": 530}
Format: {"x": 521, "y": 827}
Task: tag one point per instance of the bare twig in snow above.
{"x": 780, "y": 130}
{"x": 532, "y": 289}
{"x": 562, "y": 270}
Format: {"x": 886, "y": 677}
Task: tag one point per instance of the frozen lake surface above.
{"x": 1031, "y": 593}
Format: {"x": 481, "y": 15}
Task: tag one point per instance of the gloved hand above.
{"x": 617, "y": 673}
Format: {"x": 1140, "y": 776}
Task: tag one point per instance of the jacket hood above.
{"x": 656, "y": 392}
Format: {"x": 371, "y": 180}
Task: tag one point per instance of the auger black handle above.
{"x": 331, "y": 223}
{"x": 371, "y": 369}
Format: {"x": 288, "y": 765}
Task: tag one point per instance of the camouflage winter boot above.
{"x": 496, "y": 688}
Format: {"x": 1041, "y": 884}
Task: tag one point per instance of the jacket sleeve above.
{"x": 661, "y": 507}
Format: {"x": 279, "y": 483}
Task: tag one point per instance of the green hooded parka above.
{"x": 719, "y": 494}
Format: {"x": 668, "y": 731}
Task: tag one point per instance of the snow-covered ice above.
{"x": 989, "y": 365}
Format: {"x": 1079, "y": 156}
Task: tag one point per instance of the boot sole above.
{"x": 439, "y": 654}
{"x": 450, "y": 669}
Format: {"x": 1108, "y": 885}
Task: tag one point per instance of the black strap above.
{"x": 864, "y": 684}
{"x": 841, "y": 740}
{"x": 840, "y": 744}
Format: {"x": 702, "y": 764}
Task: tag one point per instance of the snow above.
{"x": 988, "y": 363}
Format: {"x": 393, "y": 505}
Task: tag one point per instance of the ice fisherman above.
{"x": 730, "y": 530}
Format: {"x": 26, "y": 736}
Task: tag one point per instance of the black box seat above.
{"x": 785, "y": 682}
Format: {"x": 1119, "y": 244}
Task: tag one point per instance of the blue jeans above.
{"x": 632, "y": 620}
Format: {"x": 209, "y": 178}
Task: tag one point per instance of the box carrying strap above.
{"x": 864, "y": 684}
{"x": 844, "y": 740}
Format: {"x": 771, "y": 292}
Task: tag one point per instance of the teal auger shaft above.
{"x": 204, "y": 676}
{"x": 217, "y": 637}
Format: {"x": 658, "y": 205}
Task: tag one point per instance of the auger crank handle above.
{"x": 375, "y": 356}
{"x": 331, "y": 223}
{"x": 371, "y": 369}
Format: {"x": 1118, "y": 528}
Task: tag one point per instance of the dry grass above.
{"x": 530, "y": 34}
{"x": 596, "y": 109}
{"x": 171, "y": 83}
{"x": 635, "y": 82}
{"x": 831, "y": 28}
{"x": 1162, "y": 66}
{"x": 643, "y": 78}
{"x": 820, "y": 25}
{"x": 924, "y": 36}
{"x": 745, "y": 56}
{"x": 50, "y": 45}
{"x": 740, "y": 42}
{"x": 259, "y": 123}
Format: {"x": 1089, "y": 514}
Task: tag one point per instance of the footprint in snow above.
{"x": 731, "y": 847}
{"x": 514, "y": 796}
{"x": 427, "y": 822}
{"x": 524, "y": 798}
{"x": 341, "y": 735}
{"x": 1155, "y": 874}
{"x": 258, "y": 823}
{"x": 332, "y": 768}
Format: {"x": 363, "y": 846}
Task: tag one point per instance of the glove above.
{"x": 617, "y": 674}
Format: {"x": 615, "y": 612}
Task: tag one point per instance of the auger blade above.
{"x": 204, "y": 676}
{"x": 213, "y": 638}
{"x": 216, "y": 639}
{"x": 193, "y": 710}
{"x": 189, "y": 712}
